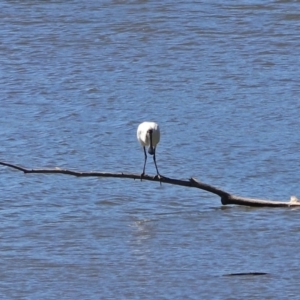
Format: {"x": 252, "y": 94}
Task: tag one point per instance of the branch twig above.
{"x": 226, "y": 198}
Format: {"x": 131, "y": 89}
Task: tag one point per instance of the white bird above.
{"x": 148, "y": 134}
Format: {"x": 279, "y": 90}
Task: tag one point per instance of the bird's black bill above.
{"x": 144, "y": 162}
{"x": 151, "y": 150}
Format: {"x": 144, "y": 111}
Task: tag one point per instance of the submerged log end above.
{"x": 233, "y": 199}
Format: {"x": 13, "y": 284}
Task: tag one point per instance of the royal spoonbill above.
{"x": 148, "y": 135}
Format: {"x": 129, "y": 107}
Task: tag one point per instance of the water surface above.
{"x": 76, "y": 80}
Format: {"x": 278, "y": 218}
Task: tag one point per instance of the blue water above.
{"x": 76, "y": 80}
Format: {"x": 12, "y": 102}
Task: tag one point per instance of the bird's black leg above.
{"x": 154, "y": 159}
{"x": 144, "y": 163}
{"x": 158, "y": 175}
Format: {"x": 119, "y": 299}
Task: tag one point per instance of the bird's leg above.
{"x": 154, "y": 159}
{"x": 157, "y": 175}
{"x": 144, "y": 163}
{"x": 151, "y": 151}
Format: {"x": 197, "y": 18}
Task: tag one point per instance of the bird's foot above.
{"x": 159, "y": 177}
{"x": 142, "y": 175}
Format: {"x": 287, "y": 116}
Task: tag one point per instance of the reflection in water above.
{"x": 142, "y": 233}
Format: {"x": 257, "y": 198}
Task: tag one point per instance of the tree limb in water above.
{"x": 226, "y": 198}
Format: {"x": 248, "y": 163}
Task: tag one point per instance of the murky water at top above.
{"x": 77, "y": 78}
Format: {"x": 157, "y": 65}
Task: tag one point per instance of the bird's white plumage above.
{"x": 143, "y": 133}
{"x": 148, "y": 135}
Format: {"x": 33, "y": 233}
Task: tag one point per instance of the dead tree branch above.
{"x": 226, "y": 198}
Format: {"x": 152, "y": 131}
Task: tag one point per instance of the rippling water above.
{"x": 221, "y": 79}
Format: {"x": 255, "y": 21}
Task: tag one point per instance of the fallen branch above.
{"x": 226, "y": 198}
